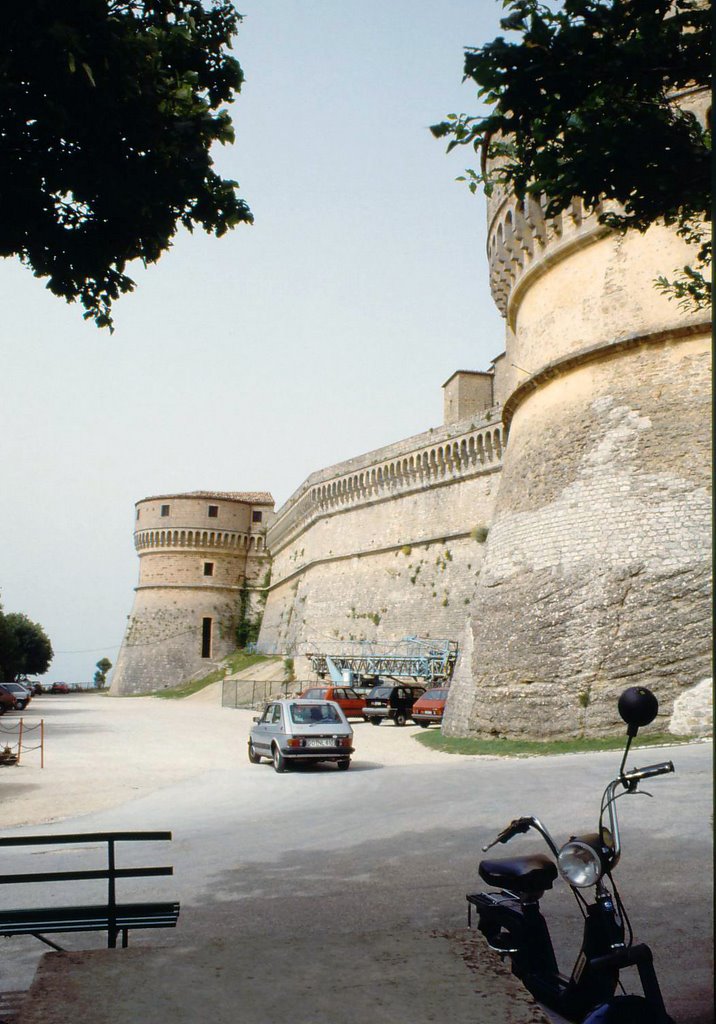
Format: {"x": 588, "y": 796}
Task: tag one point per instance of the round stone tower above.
{"x": 597, "y": 564}
{"x": 202, "y": 560}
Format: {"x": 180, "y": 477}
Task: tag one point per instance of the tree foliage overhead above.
{"x": 108, "y": 110}
{"x": 24, "y": 647}
{"x": 581, "y": 103}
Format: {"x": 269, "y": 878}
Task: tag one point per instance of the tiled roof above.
{"x": 250, "y": 497}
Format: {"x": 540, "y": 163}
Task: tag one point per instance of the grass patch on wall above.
{"x": 237, "y": 661}
{"x": 523, "y": 748}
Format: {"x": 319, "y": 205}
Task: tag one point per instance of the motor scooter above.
{"x": 511, "y": 921}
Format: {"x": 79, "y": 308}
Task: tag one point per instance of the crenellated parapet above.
{"x": 524, "y": 243}
{"x": 206, "y": 540}
{"x": 424, "y": 461}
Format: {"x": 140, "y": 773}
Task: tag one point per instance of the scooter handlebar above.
{"x": 515, "y": 827}
{"x": 649, "y": 772}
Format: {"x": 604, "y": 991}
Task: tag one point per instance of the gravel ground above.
{"x": 101, "y": 751}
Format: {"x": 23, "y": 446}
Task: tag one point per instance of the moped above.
{"x": 511, "y": 921}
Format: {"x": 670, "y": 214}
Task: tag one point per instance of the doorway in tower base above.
{"x": 206, "y": 638}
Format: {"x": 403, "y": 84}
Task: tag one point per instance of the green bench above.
{"x": 109, "y": 916}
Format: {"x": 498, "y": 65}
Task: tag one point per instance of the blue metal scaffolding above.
{"x": 418, "y": 658}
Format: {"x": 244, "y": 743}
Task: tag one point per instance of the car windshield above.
{"x": 381, "y": 691}
{"x": 435, "y": 695}
{"x": 317, "y": 691}
{"x": 14, "y": 686}
{"x": 305, "y": 714}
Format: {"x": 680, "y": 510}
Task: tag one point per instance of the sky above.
{"x": 323, "y": 331}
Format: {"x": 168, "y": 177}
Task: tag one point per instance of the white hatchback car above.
{"x": 301, "y": 730}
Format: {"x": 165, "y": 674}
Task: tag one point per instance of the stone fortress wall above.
{"x": 597, "y": 566}
{"x": 385, "y": 545}
{"x": 202, "y": 563}
{"x": 594, "y": 573}
{"x": 557, "y": 524}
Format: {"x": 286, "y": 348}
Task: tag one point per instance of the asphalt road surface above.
{"x": 395, "y": 846}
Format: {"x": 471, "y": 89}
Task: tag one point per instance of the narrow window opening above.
{"x": 256, "y": 516}
{"x": 213, "y": 511}
{"x": 164, "y": 511}
{"x": 206, "y": 638}
{"x": 138, "y": 511}
{"x": 208, "y": 568}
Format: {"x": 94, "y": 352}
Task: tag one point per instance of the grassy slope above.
{"x": 235, "y": 662}
{"x": 506, "y": 748}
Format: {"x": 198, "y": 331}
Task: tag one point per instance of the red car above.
{"x": 59, "y": 688}
{"x": 350, "y": 703}
{"x": 429, "y": 708}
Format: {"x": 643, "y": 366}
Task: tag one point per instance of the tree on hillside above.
{"x": 586, "y": 103}
{"x": 100, "y": 676}
{"x": 25, "y": 649}
{"x": 108, "y": 110}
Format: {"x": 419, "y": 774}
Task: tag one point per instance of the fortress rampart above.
{"x": 566, "y": 546}
{"x": 597, "y": 567}
{"x": 558, "y": 525}
{"x": 387, "y": 544}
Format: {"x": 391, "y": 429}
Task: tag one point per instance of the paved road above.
{"x": 394, "y": 846}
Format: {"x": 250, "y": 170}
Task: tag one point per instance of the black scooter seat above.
{"x": 520, "y": 874}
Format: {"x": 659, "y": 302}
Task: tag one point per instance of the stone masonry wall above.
{"x": 201, "y": 556}
{"x": 597, "y": 569}
{"x": 391, "y": 557}
{"x": 163, "y": 642}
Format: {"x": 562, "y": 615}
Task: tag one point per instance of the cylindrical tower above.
{"x": 597, "y": 565}
{"x": 202, "y": 560}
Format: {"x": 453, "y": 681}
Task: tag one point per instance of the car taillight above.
{"x": 295, "y": 743}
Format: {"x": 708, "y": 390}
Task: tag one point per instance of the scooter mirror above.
{"x": 637, "y": 706}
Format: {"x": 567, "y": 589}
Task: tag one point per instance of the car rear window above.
{"x": 305, "y": 714}
{"x": 381, "y": 691}
{"x": 435, "y": 695}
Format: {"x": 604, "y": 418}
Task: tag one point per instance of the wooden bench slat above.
{"x": 91, "y": 918}
{"x": 69, "y": 876}
{"x": 86, "y": 837}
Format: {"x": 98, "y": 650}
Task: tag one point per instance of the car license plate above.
{"x": 320, "y": 743}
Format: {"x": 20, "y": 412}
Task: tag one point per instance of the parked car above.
{"x": 21, "y": 694}
{"x": 430, "y": 707}
{"x": 8, "y": 701}
{"x": 393, "y": 702}
{"x": 350, "y": 702}
{"x": 59, "y": 688}
{"x": 301, "y": 730}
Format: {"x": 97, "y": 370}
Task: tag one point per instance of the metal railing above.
{"x": 251, "y": 693}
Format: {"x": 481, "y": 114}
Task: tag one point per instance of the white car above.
{"x": 301, "y": 730}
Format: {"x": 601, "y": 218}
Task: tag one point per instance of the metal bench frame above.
{"x": 111, "y": 916}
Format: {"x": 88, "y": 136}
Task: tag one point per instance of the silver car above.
{"x": 301, "y": 730}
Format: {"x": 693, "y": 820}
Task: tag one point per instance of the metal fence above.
{"x": 251, "y": 693}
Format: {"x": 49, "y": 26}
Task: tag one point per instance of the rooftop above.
{"x": 248, "y": 497}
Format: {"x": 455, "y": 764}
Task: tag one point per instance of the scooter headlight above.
{"x": 580, "y": 862}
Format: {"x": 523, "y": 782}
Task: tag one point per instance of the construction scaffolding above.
{"x": 418, "y": 658}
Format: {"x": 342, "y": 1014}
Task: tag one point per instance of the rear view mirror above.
{"x": 637, "y": 706}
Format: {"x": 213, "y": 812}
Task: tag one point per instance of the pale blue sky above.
{"x": 323, "y": 331}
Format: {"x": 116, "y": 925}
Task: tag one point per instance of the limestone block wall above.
{"x": 162, "y": 645}
{"x": 386, "y": 545}
{"x": 597, "y": 565}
